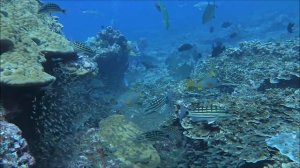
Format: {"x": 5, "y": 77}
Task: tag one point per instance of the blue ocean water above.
{"x": 141, "y": 19}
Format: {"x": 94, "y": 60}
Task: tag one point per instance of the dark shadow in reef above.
{"x": 294, "y": 82}
{"x": 259, "y": 164}
{"x": 17, "y": 103}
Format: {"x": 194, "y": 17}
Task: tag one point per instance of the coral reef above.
{"x": 259, "y": 109}
{"x": 14, "y": 149}
{"x": 118, "y": 135}
{"x": 181, "y": 64}
{"x": 112, "y": 51}
{"x": 26, "y": 37}
{"x": 256, "y": 63}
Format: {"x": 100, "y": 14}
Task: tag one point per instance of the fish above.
{"x": 163, "y": 10}
{"x": 290, "y": 27}
{"x": 156, "y": 104}
{"x": 148, "y": 65}
{"x": 217, "y": 48}
{"x": 198, "y": 112}
{"x": 226, "y": 24}
{"x": 92, "y": 12}
{"x": 210, "y": 82}
{"x": 157, "y": 6}
{"x": 200, "y": 5}
{"x": 233, "y": 35}
{"x": 155, "y": 135}
{"x": 209, "y": 13}
{"x": 51, "y": 8}
{"x": 206, "y": 83}
{"x": 185, "y": 47}
{"x": 82, "y": 48}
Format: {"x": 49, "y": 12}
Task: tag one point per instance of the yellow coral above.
{"x": 118, "y": 135}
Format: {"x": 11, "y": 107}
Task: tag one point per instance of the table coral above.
{"x": 27, "y": 36}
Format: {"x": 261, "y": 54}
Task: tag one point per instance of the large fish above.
{"x": 51, "y": 8}
{"x": 82, "y": 48}
{"x": 200, "y": 113}
{"x": 209, "y": 13}
{"x": 161, "y": 8}
{"x": 155, "y": 135}
{"x": 156, "y": 105}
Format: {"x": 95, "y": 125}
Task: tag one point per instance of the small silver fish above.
{"x": 51, "y": 8}
{"x": 82, "y": 48}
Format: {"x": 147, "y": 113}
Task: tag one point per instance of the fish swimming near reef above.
{"x": 233, "y": 35}
{"x": 209, "y": 13}
{"x": 200, "y": 5}
{"x": 159, "y": 103}
{"x": 198, "y": 112}
{"x": 157, "y": 6}
{"x": 92, "y": 13}
{"x": 205, "y": 83}
{"x": 185, "y": 47}
{"x": 156, "y": 104}
{"x": 82, "y": 48}
{"x": 290, "y": 27}
{"x": 163, "y": 10}
{"x": 217, "y": 48}
{"x": 148, "y": 65}
{"x": 226, "y": 24}
{"x": 155, "y": 135}
{"x": 51, "y": 8}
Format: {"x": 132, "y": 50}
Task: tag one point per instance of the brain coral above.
{"x": 25, "y": 37}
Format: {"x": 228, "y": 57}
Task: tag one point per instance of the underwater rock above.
{"x": 13, "y": 149}
{"x": 112, "y": 51}
{"x": 288, "y": 144}
{"x": 118, "y": 135}
{"x": 29, "y": 34}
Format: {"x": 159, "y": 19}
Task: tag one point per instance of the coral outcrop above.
{"x": 119, "y": 134}
{"x": 256, "y": 64}
{"x": 112, "y": 51}
{"x": 14, "y": 150}
{"x": 25, "y": 38}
